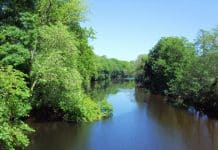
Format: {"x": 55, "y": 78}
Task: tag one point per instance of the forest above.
{"x": 47, "y": 67}
{"x": 185, "y": 72}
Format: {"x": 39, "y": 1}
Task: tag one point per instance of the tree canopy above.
{"x": 185, "y": 71}
{"x": 46, "y": 64}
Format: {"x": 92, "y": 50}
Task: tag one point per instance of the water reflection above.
{"x": 59, "y": 136}
{"x": 100, "y": 90}
{"x": 140, "y": 121}
{"x": 197, "y": 132}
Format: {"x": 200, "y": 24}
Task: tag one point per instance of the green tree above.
{"x": 139, "y": 68}
{"x": 14, "y": 105}
{"x": 56, "y": 80}
{"x": 54, "y": 66}
{"x": 198, "y": 82}
{"x": 207, "y": 41}
{"x": 44, "y": 40}
{"x": 10, "y": 11}
{"x": 166, "y": 62}
{"x": 13, "y": 47}
{"x": 64, "y": 11}
{"x": 17, "y": 44}
{"x": 86, "y": 62}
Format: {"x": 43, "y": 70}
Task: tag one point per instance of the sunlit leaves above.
{"x": 65, "y": 11}
{"x": 207, "y": 41}
{"x": 14, "y": 105}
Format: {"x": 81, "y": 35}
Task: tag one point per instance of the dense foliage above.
{"x": 166, "y": 62}
{"x": 185, "y": 71}
{"x": 47, "y": 64}
{"x": 14, "y": 105}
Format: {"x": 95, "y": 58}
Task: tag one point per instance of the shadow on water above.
{"x": 59, "y": 136}
{"x": 194, "y": 131}
{"x": 140, "y": 121}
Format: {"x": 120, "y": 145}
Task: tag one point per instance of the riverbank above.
{"x": 186, "y": 105}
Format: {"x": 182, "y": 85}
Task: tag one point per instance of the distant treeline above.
{"x": 112, "y": 69}
{"x": 186, "y": 72}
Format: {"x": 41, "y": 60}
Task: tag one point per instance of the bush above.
{"x": 106, "y": 108}
{"x": 81, "y": 111}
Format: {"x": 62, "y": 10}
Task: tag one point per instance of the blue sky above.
{"x": 127, "y": 28}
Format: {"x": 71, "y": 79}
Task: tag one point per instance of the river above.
{"x": 140, "y": 121}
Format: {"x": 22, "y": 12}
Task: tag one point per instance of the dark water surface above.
{"x": 140, "y": 121}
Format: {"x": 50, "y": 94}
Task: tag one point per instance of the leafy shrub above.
{"x": 106, "y": 108}
{"x": 82, "y": 111}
